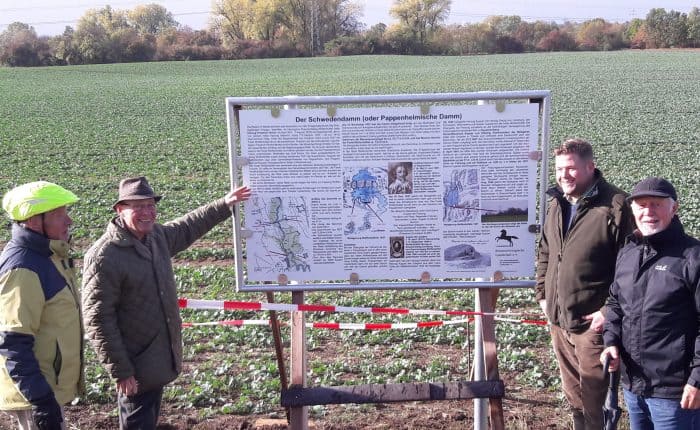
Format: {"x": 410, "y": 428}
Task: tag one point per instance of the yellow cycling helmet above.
{"x": 34, "y": 198}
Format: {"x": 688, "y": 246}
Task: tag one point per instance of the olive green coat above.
{"x": 574, "y": 271}
{"x": 130, "y": 301}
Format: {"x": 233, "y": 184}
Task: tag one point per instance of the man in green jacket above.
{"x": 41, "y": 345}
{"x": 130, "y": 299}
{"x": 586, "y": 224}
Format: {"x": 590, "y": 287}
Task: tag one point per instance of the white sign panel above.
{"x": 390, "y": 193}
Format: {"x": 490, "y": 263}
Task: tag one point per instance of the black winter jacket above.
{"x": 653, "y": 313}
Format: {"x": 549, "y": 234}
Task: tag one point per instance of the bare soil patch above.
{"x": 524, "y": 408}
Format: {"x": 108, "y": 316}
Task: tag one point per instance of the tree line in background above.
{"x": 243, "y": 29}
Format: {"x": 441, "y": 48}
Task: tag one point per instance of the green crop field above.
{"x": 86, "y": 127}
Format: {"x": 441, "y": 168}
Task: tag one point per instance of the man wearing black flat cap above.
{"x": 653, "y": 314}
{"x": 130, "y": 300}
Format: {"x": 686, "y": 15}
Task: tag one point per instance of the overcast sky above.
{"x": 49, "y": 17}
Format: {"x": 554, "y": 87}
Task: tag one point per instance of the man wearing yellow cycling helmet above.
{"x": 40, "y": 323}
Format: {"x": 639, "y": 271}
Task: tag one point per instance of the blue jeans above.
{"x": 653, "y": 413}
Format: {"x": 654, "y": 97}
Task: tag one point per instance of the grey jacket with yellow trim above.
{"x": 130, "y": 301}
{"x": 40, "y": 323}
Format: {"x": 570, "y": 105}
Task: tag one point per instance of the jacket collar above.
{"x": 662, "y": 239}
{"x": 25, "y": 238}
{"x": 122, "y": 237}
{"x": 556, "y": 192}
{"x": 120, "y": 234}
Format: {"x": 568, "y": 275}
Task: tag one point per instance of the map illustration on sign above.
{"x": 283, "y": 224}
{"x": 364, "y": 199}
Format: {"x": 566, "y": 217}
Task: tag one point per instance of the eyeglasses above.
{"x": 140, "y": 207}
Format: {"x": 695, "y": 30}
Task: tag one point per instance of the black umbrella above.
{"x": 611, "y": 412}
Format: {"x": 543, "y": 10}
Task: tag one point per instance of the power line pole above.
{"x": 314, "y": 27}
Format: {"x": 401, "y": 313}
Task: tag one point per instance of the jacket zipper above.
{"x": 564, "y": 239}
{"x": 646, "y": 255}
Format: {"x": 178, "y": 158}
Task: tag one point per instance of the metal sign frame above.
{"x": 235, "y": 104}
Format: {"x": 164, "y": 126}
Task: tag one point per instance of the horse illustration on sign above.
{"x": 504, "y": 236}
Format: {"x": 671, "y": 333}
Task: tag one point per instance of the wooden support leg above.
{"x": 279, "y": 349}
{"x": 487, "y": 300}
{"x": 298, "y": 416}
{"x": 479, "y": 367}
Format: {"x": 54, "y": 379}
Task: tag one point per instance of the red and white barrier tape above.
{"x": 234, "y": 323}
{"x": 360, "y": 326}
{"x": 337, "y": 326}
{"x": 523, "y": 321}
{"x": 283, "y": 307}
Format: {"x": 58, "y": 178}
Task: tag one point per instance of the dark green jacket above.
{"x": 574, "y": 272}
{"x": 130, "y": 301}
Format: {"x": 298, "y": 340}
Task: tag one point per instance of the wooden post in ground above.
{"x": 479, "y": 366}
{"x": 487, "y": 301}
{"x": 279, "y": 351}
{"x": 298, "y": 416}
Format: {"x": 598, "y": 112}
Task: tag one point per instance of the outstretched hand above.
{"x": 238, "y": 195}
